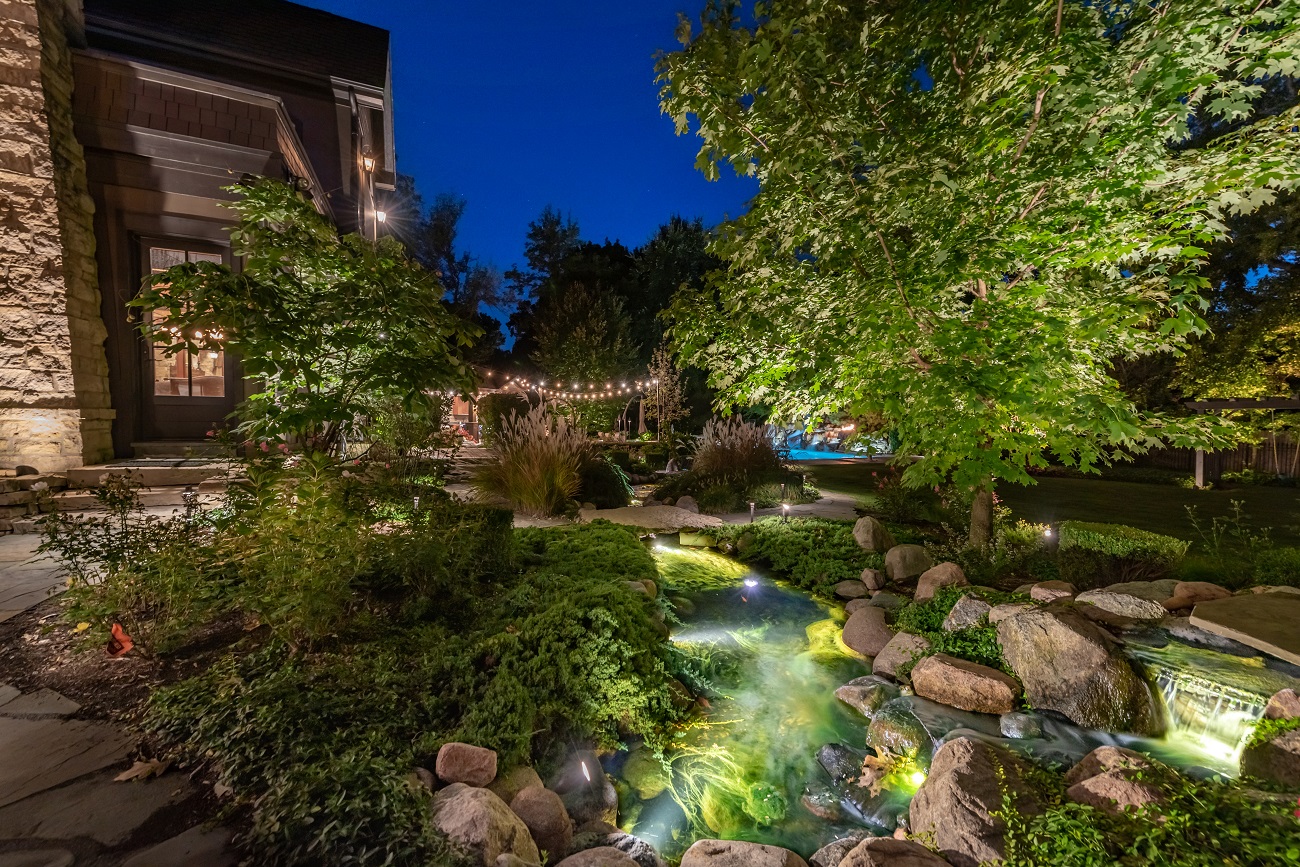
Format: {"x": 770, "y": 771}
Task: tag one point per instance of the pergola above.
{"x": 1231, "y": 403}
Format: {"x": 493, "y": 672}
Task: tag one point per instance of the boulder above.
{"x": 514, "y": 781}
{"x": 822, "y": 802}
{"x": 601, "y": 856}
{"x": 839, "y": 762}
{"x": 958, "y": 805}
{"x": 466, "y": 763}
{"x": 1123, "y": 604}
{"x": 906, "y": 561}
{"x": 1115, "y": 792}
{"x": 737, "y": 853}
{"x": 1050, "y": 591}
{"x": 638, "y": 587}
{"x": 901, "y": 649}
{"x": 943, "y": 575}
{"x": 543, "y": 812}
{"x": 1007, "y": 609}
{"x": 888, "y": 852}
{"x": 1105, "y": 760}
{"x": 873, "y": 578}
{"x": 651, "y": 588}
{"x": 645, "y": 774}
{"x": 886, "y": 600}
{"x": 1284, "y": 704}
{"x": 866, "y": 632}
{"x": 1069, "y": 665}
{"x": 1276, "y": 760}
{"x": 896, "y": 731}
{"x": 1154, "y": 591}
{"x": 641, "y": 852}
{"x": 872, "y": 535}
{"x": 969, "y": 611}
{"x": 1199, "y": 591}
{"x": 854, "y": 604}
{"x": 597, "y": 801}
{"x": 866, "y": 694}
{"x": 833, "y": 853}
{"x": 688, "y": 503}
{"x": 509, "y": 859}
{"x": 966, "y": 685}
{"x": 482, "y": 824}
{"x": 850, "y": 590}
{"x": 1020, "y": 725}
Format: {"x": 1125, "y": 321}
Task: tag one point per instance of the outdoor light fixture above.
{"x": 368, "y": 161}
{"x": 586, "y": 773}
{"x": 1047, "y": 533}
{"x": 751, "y": 512}
{"x": 381, "y": 216}
{"x": 917, "y": 778}
{"x": 785, "y": 513}
{"x": 751, "y": 582}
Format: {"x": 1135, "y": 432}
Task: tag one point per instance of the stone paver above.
{"x": 197, "y": 847}
{"x": 1266, "y": 622}
{"x": 25, "y": 579}
{"x": 96, "y": 807}
{"x": 40, "y": 754}
{"x": 38, "y": 858}
{"x": 43, "y": 702}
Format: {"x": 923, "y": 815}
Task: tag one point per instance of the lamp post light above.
{"x": 785, "y": 513}
{"x": 751, "y": 511}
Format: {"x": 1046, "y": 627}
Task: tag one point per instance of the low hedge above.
{"x": 1094, "y": 555}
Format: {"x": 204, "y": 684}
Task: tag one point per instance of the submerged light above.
{"x": 917, "y": 777}
{"x": 751, "y": 582}
{"x": 586, "y": 773}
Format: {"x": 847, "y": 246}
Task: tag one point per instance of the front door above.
{"x": 190, "y": 393}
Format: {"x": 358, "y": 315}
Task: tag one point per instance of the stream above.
{"x": 767, "y": 659}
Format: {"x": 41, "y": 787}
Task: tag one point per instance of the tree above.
{"x": 550, "y": 239}
{"x": 584, "y": 336}
{"x": 327, "y": 327}
{"x": 966, "y": 210}
{"x": 676, "y": 258}
{"x": 665, "y": 398}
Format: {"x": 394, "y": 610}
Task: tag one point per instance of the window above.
{"x": 187, "y": 374}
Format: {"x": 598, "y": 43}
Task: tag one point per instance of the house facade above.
{"x": 123, "y": 121}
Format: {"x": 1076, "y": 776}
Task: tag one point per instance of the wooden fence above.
{"x": 1276, "y": 454}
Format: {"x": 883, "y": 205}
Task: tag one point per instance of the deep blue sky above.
{"x": 515, "y": 105}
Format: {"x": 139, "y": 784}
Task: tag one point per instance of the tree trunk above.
{"x": 981, "y": 518}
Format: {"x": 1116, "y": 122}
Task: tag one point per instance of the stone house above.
{"x": 120, "y": 122}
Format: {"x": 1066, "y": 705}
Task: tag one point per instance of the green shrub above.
{"x": 494, "y": 409}
{"x": 1093, "y": 555}
{"x": 535, "y": 462}
{"x": 1277, "y": 566}
{"x": 603, "y": 483}
{"x": 977, "y": 644}
{"x": 812, "y": 553}
{"x": 1201, "y": 823}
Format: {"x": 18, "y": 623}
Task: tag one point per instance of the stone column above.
{"x": 55, "y": 410}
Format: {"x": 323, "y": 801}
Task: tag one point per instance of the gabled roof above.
{"x": 268, "y": 33}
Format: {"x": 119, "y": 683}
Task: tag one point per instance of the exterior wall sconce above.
{"x": 381, "y": 216}
{"x": 368, "y": 161}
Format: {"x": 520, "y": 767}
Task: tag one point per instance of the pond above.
{"x": 768, "y": 759}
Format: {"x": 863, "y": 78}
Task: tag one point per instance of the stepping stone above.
{"x": 1266, "y": 622}
{"x": 43, "y": 702}
{"x": 43, "y": 753}
{"x": 197, "y": 847}
{"x": 37, "y": 858}
{"x": 96, "y": 807}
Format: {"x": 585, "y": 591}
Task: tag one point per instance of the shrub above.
{"x": 495, "y": 409}
{"x": 1278, "y": 566}
{"x": 1093, "y": 555}
{"x": 735, "y": 451}
{"x": 603, "y": 483}
{"x": 535, "y": 462}
{"x": 977, "y": 644}
{"x": 812, "y": 553}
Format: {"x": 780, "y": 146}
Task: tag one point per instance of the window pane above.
{"x": 161, "y": 259}
{"x": 205, "y": 257}
{"x": 208, "y": 372}
{"x": 170, "y": 373}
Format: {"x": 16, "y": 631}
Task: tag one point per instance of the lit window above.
{"x": 187, "y": 374}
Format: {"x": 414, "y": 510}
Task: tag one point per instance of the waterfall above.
{"x": 1216, "y": 717}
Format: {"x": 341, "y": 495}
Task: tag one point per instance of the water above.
{"x": 767, "y": 658}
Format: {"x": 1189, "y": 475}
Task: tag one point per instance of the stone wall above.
{"x": 55, "y": 409}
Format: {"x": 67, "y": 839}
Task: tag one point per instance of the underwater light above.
{"x": 1047, "y": 533}
{"x": 586, "y": 773}
{"x": 917, "y": 777}
{"x": 751, "y": 582}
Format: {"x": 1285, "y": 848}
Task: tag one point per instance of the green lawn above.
{"x": 1162, "y": 508}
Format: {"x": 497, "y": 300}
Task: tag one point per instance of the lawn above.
{"x": 1162, "y": 508}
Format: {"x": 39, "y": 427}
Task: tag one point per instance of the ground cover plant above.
{"x": 812, "y": 553}
{"x": 362, "y": 633}
{"x": 976, "y": 643}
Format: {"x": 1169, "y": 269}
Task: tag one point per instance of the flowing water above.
{"x": 767, "y": 658}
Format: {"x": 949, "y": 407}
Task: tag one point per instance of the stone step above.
{"x": 81, "y": 499}
{"x": 152, "y": 472}
{"x": 180, "y": 449}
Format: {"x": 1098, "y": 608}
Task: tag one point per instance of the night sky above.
{"x": 516, "y": 105}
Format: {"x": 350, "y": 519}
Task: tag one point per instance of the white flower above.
{"x": 41, "y": 486}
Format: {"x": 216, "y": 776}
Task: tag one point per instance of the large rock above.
{"x": 601, "y": 856}
{"x": 866, "y": 632}
{"x": 688, "y": 503}
{"x": 1069, "y": 665}
{"x": 1284, "y": 704}
{"x": 1123, "y": 604}
{"x": 198, "y": 847}
{"x": 1156, "y": 591}
{"x": 969, "y": 611}
{"x": 514, "y": 781}
{"x": 646, "y": 774}
{"x": 834, "y": 852}
{"x": 966, "y": 685}
{"x": 1104, "y": 760}
{"x": 736, "y": 853}
{"x": 901, "y": 649}
{"x": 1050, "y": 591}
{"x": 943, "y": 575}
{"x": 959, "y": 803}
{"x": 872, "y": 535}
{"x": 607, "y": 836}
{"x": 867, "y": 694}
{"x": 897, "y": 731}
{"x": 466, "y": 763}
{"x": 482, "y": 824}
{"x": 850, "y": 590}
{"x": 543, "y": 812}
{"x": 888, "y": 852}
{"x": 840, "y": 763}
{"x": 873, "y": 578}
{"x": 1113, "y": 779}
{"x": 1276, "y": 760}
{"x": 1003, "y": 610}
{"x": 906, "y": 561}
{"x": 1188, "y": 593}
